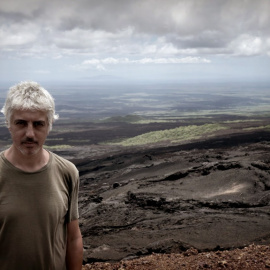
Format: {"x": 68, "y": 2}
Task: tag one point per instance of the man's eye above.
{"x": 39, "y": 124}
{"x": 20, "y": 123}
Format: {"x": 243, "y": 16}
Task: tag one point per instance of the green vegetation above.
{"x": 80, "y": 141}
{"x": 54, "y": 139}
{"x": 137, "y": 119}
{"x": 173, "y": 135}
{"x": 149, "y": 121}
{"x": 60, "y": 146}
{"x": 125, "y": 119}
{"x": 240, "y": 121}
{"x": 255, "y": 128}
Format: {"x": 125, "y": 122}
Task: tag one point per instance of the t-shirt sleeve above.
{"x": 73, "y": 212}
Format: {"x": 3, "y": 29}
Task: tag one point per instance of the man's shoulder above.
{"x": 63, "y": 163}
{"x": 2, "y": 158}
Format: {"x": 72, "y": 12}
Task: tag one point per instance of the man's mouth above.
{"x": 28, "y": 142}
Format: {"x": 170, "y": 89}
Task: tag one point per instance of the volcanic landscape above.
{"x": 210, "y": 195}
{"x": 209, "y": 192}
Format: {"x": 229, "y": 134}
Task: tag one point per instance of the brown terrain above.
{"x": 253, "y": 257}
{"x": 193, "y": 205}
{"x": 197, "y": 197}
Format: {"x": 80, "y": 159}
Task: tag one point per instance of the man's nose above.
{"x": 30, "y": 131}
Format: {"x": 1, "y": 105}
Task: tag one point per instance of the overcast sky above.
{"x": 80, "y": 41}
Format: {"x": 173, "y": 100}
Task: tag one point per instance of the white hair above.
{"x": 29, "y": 95}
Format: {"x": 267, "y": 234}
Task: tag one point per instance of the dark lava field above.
{"x": 210, "y": 194}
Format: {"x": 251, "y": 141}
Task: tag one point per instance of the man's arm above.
{"x": 74, "y": 255}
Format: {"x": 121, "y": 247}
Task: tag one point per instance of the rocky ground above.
{"x": 253, "y": 257}
{"x": 196, "y": 205}
{"x": 201, "y": 197}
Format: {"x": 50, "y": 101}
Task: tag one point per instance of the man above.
{"x": 38, "y": 189}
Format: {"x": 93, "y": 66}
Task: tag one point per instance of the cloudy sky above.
{"x": 134, "y": 40}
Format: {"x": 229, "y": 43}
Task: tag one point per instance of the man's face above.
{"x": 29, "y": 130}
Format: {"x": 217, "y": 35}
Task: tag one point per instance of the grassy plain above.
{"x": 175, "y": 135}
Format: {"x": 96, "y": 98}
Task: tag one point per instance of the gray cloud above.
{"x": 138, "y": 27}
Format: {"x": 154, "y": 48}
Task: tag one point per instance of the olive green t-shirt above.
{"x": 35, "y": 208}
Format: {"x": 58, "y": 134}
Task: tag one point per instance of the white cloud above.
{"x": 16, "y": 35}
{"x": 102, "y": 64}
{"x": 91, "y": 62}
{"x": 246, "y": 45}
{"x": 268, "y": 46}
{"x": 100, "y": 68}
{"x": 114, "y": 61}
{"x": 111, "y": 60}
{"x": 185, "y": 60}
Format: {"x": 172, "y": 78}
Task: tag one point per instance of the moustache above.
{"x": 29, "y": 140}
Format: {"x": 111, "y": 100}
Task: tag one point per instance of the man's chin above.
{"x": 29, "y": 151}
